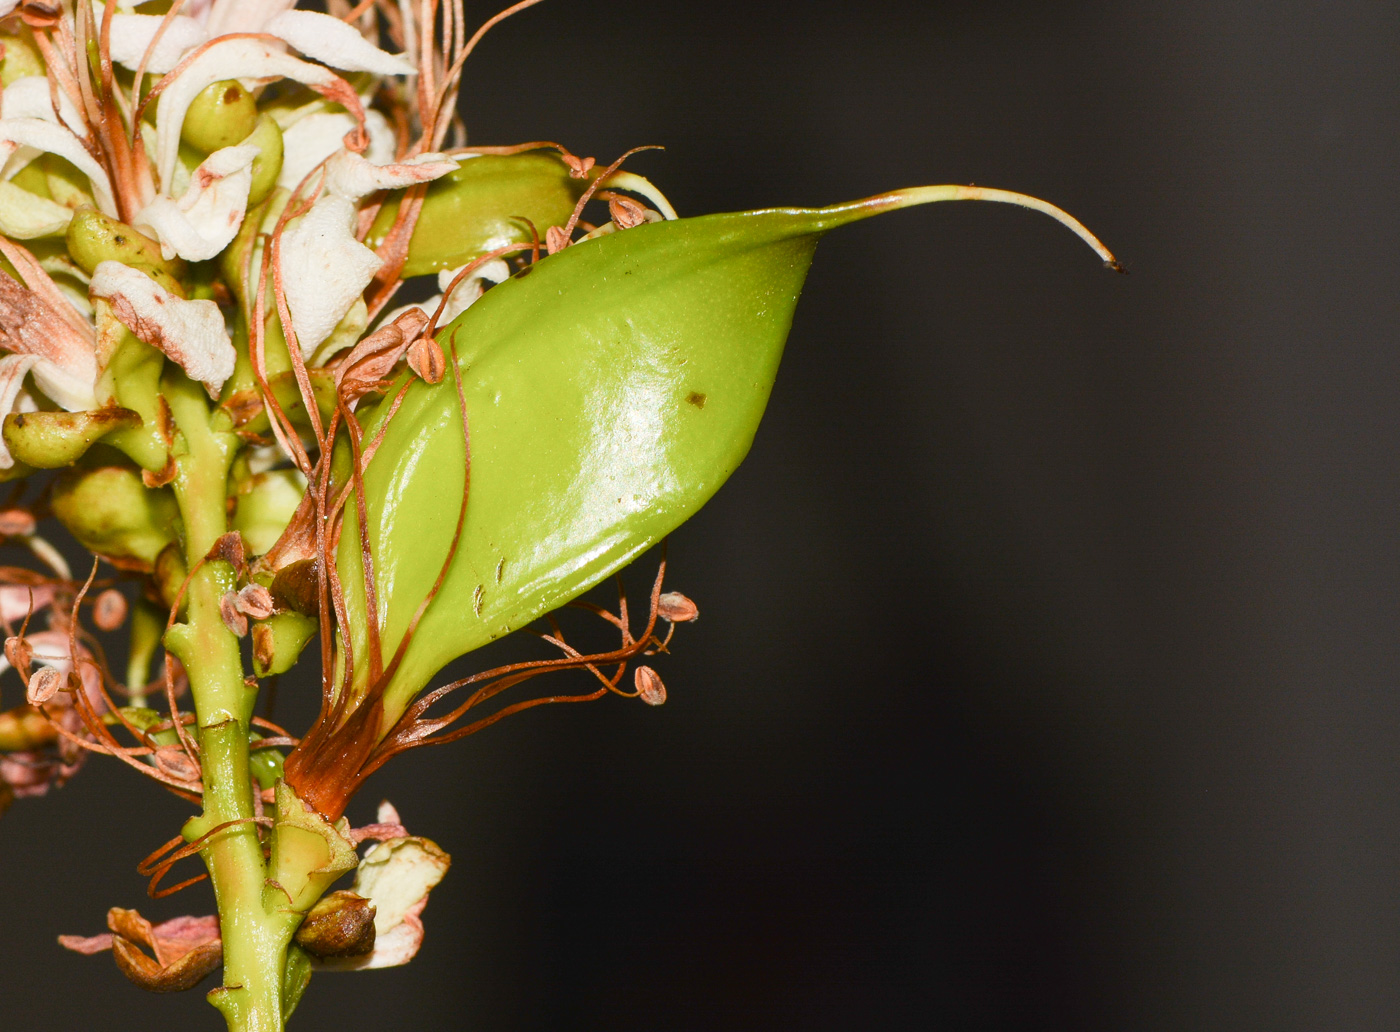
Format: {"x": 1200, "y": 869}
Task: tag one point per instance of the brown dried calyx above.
{"x": 186, "y": 949}
{"x": 341, "y": 924}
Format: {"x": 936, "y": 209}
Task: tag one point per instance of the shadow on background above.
{"x": 1046, "y": 663}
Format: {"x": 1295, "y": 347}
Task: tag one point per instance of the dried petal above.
{"x": 372, "y": 359}
{"x": 341, "y": 924}
{"x": 649, "y": 686}
{"x": 44, "y": 684}
{"x": 109, "y": 610}
{"x": 426, "y": 359}
{"x": 39, "y": 322}
{"x": 19, "y": 654}
{"x": 255, "y": 601}
{"x": 233, "y": 619}
{"x": 336, "y": 43}
{"x": 191, "y": 333}
{"x": 13, "y": 369}
{"x": 676, "y": 608}
{"x": 207, "y": 217}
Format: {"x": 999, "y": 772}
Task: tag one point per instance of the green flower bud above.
{"x": 266, "y": 502}
{"x": 49, "y": 440}
{"x": 94, "y": 238}
{"x": 113, "y": 514}
{"x": 223, "y": 114}
{"x": 267, "y": 137}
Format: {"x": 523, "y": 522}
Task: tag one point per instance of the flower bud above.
{"x": 93, "y": 238}
{"x": 50, "y": 440}
{"x": 341, "y": 924}
{"x": 111, "y": 512}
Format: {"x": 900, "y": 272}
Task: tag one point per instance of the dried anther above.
{"x": 676, "y": 608}
{"x": 650, "y": 688}
{"x": 426, "y": 359}
{"x": 341, "y": 924}
{"x": 556, "y": 238}
{"x": 109, "y": 610}
{"x": 626, "y": 212}
{"x": 234, "y": 620}
{"x": 254, "y": 601}
{"x": 578, "y": 167}
{"x": 186, "y": 949}
{"x": 43, "y": 685}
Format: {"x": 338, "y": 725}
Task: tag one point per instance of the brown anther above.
{"x": 16, "y": 523}
{"x": 426, "y": 359}
{"x": 341, "y": 924}
{"x": 173, "y": 760}
{"x": 626, "y": 212}
{"x": 109, "y": 610}
{"x": 43, "y": 685}
{"x": 233, "y": 619}
{"x": 578, "y": 167}
{"x": 650, "y": 688}
{"x": 20, "y": 654}
{"x": 555, "y": 239}
{"x": 255, "y": 601}
{"x": 676, "y": 608}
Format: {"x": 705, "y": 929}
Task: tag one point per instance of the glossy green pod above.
{"x": 609, "y": 391}
{"x": 479, "y": 208}
{"x": 114, "y": 515}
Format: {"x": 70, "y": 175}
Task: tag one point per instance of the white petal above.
{"x": 12, "y": 372}
{"x": 46, "y": 136}
{"x": 470, "y": 289}
{"x": 39, "y": 321}
{"x": 235, "y": 58}
{"x": 206, "y": 219}
{"x": 29, "y": 97}
{"x": 309, "y": 141}
{"x": 351, "y": 176}
{"x": 336, "y": 43}
{"x": 243, "y": 15}
{"x": 7, "y": 7}
{"x": 24, "y": 215}
{"x": 191, "y": 333}
{"x": 324, "y": 269}
{"x": 132, "y": 34}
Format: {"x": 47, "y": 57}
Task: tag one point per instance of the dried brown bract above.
{"x": 341, "y": 924}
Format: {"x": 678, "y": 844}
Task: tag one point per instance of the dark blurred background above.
{"x": 1046, "y": 675}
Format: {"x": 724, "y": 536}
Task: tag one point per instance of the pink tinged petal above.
{"x": 243, "y": 15}
{"x": 313, "y": 138}
{"x": 206, "y": 219}
{"x": 254, "y": 60}
{"x": 15, "y": 601}
{"x": 35, "y": 322}
{"x": 13, "y": 369}
{"x": 336, "y": 43}
{"x": 191, "y": 333}
{"x": 132, "y": 34}
{"x": 324, "y": 268}
{"x": 87, "y": 945}
{"x": 55, "y": 139}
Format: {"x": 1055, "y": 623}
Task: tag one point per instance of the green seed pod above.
{"x": 479, "y": 208}
{"x": 220, "y": 116}
{"x": 267, "y": 137}
{"x": 266, "y": 502}
{"x": 609, "y": 393}
{"x": 50, "y": 440}
{"x": 113, "y": 514}
{"x": 278, "y": 641}
{"x": 341, "y": 924}
{"x": 94, "y": 238}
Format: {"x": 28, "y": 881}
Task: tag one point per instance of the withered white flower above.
{"x": 191, "y": 333}
{"x": 206, "y": 218}
{"x": 132, "y": 35}
{"x": 40, "y": 322}
{"x": 335, "y": 43}
{"x": 314, "y": 137}
{"x": 324, "y": 268}
{"x": 225, "y": 16}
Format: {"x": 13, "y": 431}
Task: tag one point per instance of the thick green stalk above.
{"x": 255, "y": 938}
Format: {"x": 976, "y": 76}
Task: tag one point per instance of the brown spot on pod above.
{"x": 109, "y": 610}
{"x": 426, "y": 359}
{"x": 44, "y": 684}
{"x": 341, "y": 924}
{"x": 649, "y": 685}
{"x": 676, "y": 608}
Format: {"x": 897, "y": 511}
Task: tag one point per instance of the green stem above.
{"x": 255, "y": 937}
